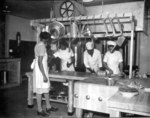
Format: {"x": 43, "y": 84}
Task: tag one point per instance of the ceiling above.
{"x": 37, "y": 9}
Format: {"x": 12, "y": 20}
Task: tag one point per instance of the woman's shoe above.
{"x": 51, "y": 109}
{"x": 30, "y": 106}
{"x": 42, "y": 113}
{"x": 48, "y": 110}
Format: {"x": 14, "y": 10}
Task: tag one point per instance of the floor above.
{"x": 13, "y": 104}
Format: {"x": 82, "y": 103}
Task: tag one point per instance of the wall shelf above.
{"x": 13, "y": 68}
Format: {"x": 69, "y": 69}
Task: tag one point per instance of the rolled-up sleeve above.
{"x": 72, "y": 54}
{"x": 105, "y": 58}
{"x": 120, "y": 57}
{"x": 99, "y": 60}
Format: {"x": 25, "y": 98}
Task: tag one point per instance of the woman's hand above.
{"x": 68, "y": 64}
{"x": 101, "y": 73}
{"x": 92, "y": 71}
{"x": 122, "y": 73}
{"x": 110, "y": 72}
{"x": 45, "y": 79}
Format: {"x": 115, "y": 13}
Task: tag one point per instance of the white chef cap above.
{"x": 111, "y": 43}
{"x": 89, "y": 45}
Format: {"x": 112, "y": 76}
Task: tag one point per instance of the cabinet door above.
{"x": 12, "y": 66}
{"x": 79, "y": 95}
{"x": 92, "y": 96}
{"x": 3, "y": 66}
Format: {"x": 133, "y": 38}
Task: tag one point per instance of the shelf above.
{"x": 96, "y": 23}
{"x": 99, "y": 36}
{"x": 9, "y": 85}
{"x": 55, "y": 100}
{"x": 81, "y": 18}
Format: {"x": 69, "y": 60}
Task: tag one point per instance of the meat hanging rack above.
{"x": 106, "y": 25}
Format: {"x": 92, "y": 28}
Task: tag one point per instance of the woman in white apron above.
{"x": 92, "y": 58}
{"x": 92, "y": 62}
{"x": 113, "y": 60}
{"x": 67, "y": 57}
{"x": 41, "y": 83}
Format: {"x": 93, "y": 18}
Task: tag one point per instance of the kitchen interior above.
{"x": 76, "y": 21}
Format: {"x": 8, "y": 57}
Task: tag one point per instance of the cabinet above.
{"x": 25, "y": 52}
{"x": 12, "y": 66}
{"x": 93, "y": 96}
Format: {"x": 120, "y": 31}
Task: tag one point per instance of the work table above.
{"x": 94, "y": 94}
{"x": 61, "y": 76}
{"x": 12, "y": 66}
{"x": 90, "y": 92}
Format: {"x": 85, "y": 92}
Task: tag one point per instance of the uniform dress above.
{"x": 94, "y": 62}
{"x": 39, "y": 86}
{"x": 65, "y": 56}
{"x": 113, "y": 60}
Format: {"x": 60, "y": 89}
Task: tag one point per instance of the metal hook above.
{"x": 119, "y": 25}
{"x": 106, "y": 28}
{"x": 87, "y": 21}
{"x": 106, "y": 31}
{"x": 94, "y": 24}
{"x": 112, "y": 26}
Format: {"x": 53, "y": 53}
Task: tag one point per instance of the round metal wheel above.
{"x": 67, "y": 9}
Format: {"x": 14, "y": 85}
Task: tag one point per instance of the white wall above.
{"x": 136, "y": 8}
{"x": 16, "y": 24}
{"x": 145, "y": 50}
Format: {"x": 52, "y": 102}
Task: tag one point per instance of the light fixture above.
{"x": 88, "y": 0}
{"x": 6, "y": 9}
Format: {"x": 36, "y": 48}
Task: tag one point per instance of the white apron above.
{"x": 39, "y": 86}
{"x": 113, "y": 60}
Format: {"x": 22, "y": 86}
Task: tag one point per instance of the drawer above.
{"x": 92, "y": 96}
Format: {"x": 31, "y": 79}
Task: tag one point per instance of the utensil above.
{"x": 110, "y": 81}
{"x": 128, "y": 92}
